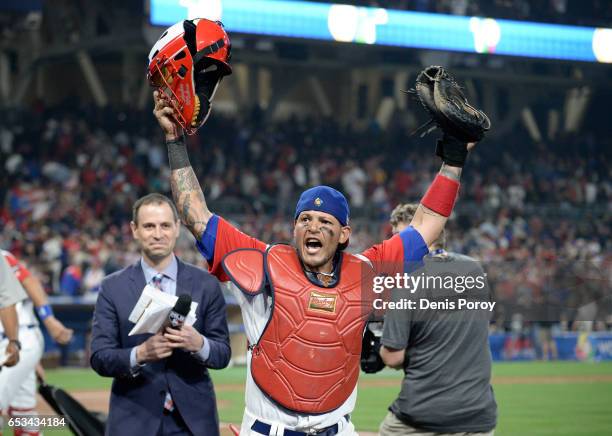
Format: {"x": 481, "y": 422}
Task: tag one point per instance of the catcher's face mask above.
{"x": 186, "y": 64}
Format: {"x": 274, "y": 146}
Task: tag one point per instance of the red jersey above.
{"x": 221, "y": 238}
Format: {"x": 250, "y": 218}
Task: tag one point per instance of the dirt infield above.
{"x": 92, "y": 400}
{"x": 98, "y": 401}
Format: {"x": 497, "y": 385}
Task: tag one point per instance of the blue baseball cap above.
{"x": 324, "y": 199}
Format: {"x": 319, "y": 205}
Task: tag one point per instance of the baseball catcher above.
{"x": 305, "y": 305}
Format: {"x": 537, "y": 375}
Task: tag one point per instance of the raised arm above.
{"x": 186, "y": 190}
{"x": 463, "y": 126}
{"x": 435, "y": 207}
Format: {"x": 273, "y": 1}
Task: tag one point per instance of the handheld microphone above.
{"x": 176, "y": 317}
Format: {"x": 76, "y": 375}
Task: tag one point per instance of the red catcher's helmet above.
{"x": 187, "y": 63}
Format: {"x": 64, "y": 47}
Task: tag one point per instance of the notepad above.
{"x": 152, "y": 309}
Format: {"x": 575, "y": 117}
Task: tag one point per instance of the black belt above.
{"x": 29, "y": 326}
{"x": 263, "y": 428}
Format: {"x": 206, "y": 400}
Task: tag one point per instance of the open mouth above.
{"x": 313, "y": 245}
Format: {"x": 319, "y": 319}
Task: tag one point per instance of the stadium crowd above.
{"x": 69, "y": 179}
{"x": 592, "y": 13}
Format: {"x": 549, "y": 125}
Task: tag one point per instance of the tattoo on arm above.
{"x": 189, "y": 200}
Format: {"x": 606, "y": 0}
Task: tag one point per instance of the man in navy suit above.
{"x": 161, "y": 383}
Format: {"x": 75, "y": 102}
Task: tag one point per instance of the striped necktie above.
{"x": 157, "y": 281}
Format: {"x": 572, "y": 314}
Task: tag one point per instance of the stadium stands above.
{"x": 538, "y": 214}
{"x": 69, "y": 181}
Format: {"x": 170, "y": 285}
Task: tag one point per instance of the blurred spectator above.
{"x": 354, "y": 181}
{"x": 93, "y": 276}
{"x": 71, "y": 280}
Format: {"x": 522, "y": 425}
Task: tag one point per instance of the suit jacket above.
{"x": 136, "y": 402}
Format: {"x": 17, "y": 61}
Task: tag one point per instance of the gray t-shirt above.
{"x": 11, "y": 291}
{"x": 446, "y": 387}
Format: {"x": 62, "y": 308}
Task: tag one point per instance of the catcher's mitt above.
{"x": 443, "y": 99}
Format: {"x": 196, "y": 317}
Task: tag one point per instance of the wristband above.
{"x": 44, "y": 312}
{"x": 441, "y": 195}
{"x": 177, "y": 153}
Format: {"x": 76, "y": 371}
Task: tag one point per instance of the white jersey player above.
{"x": 18, "y": 383}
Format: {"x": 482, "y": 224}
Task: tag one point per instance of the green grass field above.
{"x": 561, "y": 398}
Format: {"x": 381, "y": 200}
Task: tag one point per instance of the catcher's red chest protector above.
{"x": 307, "y": 359}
